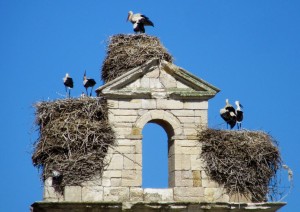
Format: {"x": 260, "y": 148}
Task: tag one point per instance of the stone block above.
{"x": 136, "y": 194}
{"x": 116, "y": 182}
{"x": 154, "y": 195}
{"x": 132, "y": 178}
{"x": 73, "y": 193}
{"x": 122, "y": 149}
{"x": 117, "y": 125}
{"x": 215, "y": 195}
{"x": 136, "y": 131}
{"x": 138, "y": 162}
{"x": 145, "y": 82}
{"x": 190, "y": 150}
{"x": 130, "y": 104}
{"x": 196, "y": 162}
{"x": 197, "y": 181}
{"x": 186, "y": 119}
{"x": 106, "y": 182}
{"x": 129, "y": 161}
{"x": 115, "y": 162}
{"x": 157, "y": 114}
{"x": 183, "y": 112}
{"x": 125, "y": 119}
{"x": 112, "y": 173}
{"x": 194, "y": 104}
{"x": 116, "y": 194}
{"x": 149, "y": 103}
{"x": 185, "y": 162}
{"x": 188, "y": 194}
{"x": 124, "y": 112}
{"x": 175, "y": 162}
{"x": 189, "y": 143}
{"x": 123, "y": 130}
{"x": 50, "y": 195}
{"x": 190, "y": 132}
{"x": 169, "y": 104}
{"x": 92, "y": 193}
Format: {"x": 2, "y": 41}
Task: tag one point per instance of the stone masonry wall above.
{"x": 122, "y": 179}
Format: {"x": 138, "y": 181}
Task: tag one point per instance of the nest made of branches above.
{"x": 243, "y": 161}
{"x": 74, "y": 135}
{"x": 125, "y": 52}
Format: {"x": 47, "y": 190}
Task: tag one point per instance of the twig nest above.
{"x": 243, "y": 161}
{"x": 125, "y": 52}
{"x": 74, "y": 136}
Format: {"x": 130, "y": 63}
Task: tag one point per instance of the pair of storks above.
{"x": 232, "y": 116}
{"x": 87, "y": 83}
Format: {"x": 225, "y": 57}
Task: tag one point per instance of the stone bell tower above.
{"x": 155, "y": 92}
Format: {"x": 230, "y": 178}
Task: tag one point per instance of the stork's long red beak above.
{"x": 128, "y": 17}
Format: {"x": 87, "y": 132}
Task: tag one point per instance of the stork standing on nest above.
{"x": 239, "y": 114}
{"x": 139, "y": 21}
{"x": 228, "y": 114}
{"x": 68, "y": 82}
{"x": 88, "y": 82}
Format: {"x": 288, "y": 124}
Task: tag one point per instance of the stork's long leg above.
{"x": 69, "y": 92}
{"x": 86, "y": 91}
{"x": 91, "y": 91}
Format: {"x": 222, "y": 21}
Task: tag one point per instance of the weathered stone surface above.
{"x": 116, "y": 194}
{"x": 115, "y": 162}
{"x": 51, "y": 195}
{"x": 131, "y": 178}
{"x": 116, "y": 182}
{"x": 154, "y": 195}
{"x": 197, "y": 181}
{"x": 136, "y": 194}
{"x": 92, "y": 193}
{"x": 130, "y": 104}
{"x": 124, "y": 112}
{"x": 149, "y": 103}
{"x": 188, "y": 194}
{"x": 72, "y": 193}
{"x": 192, "y": 104}
{"x": 169, "y": 104}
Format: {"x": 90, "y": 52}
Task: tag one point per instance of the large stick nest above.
{"x": 74, "y": 135}
{"x": 243, "y": 161}
{"x": 125, "y": 52}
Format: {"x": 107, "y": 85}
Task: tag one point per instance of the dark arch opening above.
{"x": 156, "y": 134}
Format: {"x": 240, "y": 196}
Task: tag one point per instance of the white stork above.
{"x": 88, "y": 82}
{"x": 228, "y": 114}
{"x": 68, "y": 82}
{"x": 239, "y": 114}
{"x": 139, "y": 21}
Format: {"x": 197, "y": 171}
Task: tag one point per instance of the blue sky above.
{"x": 249, "y": 49}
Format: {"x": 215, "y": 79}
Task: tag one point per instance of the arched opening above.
{"x": 156, "y": 134}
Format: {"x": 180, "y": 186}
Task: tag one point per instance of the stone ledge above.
{"x": 154, "y": 206}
